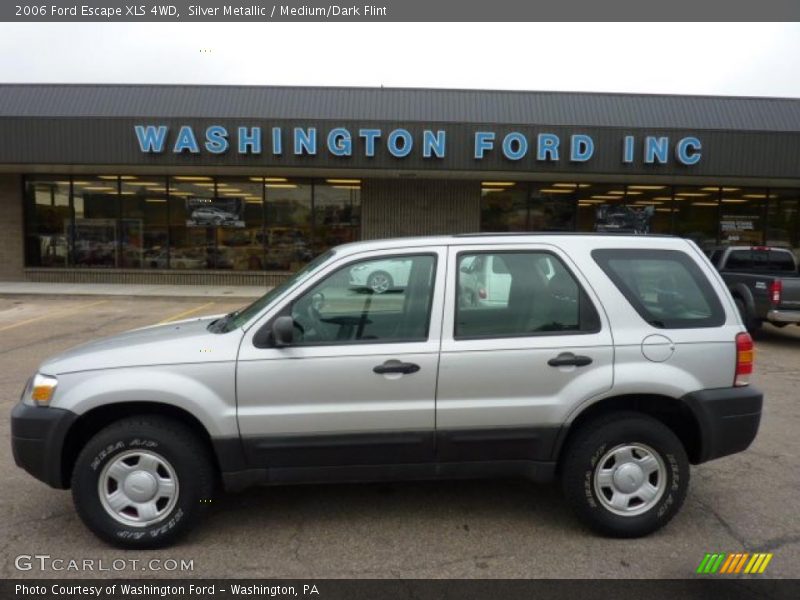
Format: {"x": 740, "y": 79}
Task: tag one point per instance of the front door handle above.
{"x": 395, "y": 366}
{"x": 568, "y": 359}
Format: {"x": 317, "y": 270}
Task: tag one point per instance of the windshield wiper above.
{"x": 221, "y": 325}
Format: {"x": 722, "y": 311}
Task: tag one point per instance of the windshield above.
{"x": 240, "y": 317}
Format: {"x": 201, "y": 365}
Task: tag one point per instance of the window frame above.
{"x": 584, "y": 299}
{"x": 603, "y": 256}
{"x": 263, "y": 337}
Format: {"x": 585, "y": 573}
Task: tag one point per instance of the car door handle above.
{"x": 395, "y": 366}
{"x": 568, "y": 359}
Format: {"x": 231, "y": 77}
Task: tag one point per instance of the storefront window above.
{"x": 193, "y": 220}
{"x": 504, "y": 206}
{"x": 47, "y": 222}
{"x": 240, "y": 240}
{"x": 697, "y": 214}
{"x": 143, "y": 224}
{"x": 783, "y": 219}
{"x": 96, "y": 234}
{"x": 552, "y": 206}
{"x": 742, "y": 212}
{"x": 288, "y": 223}
{"x": 337, "y": 213}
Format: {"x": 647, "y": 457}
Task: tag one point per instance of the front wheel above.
{"x": 142, "y": 482}
{"x": 625, "y": 475}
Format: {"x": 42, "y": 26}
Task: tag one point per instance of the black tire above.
{"x": 590, "y": 444}
{"x": 165, "y": 438}
{"x": 752, "y": 324}
{"x": 372, "y": 282}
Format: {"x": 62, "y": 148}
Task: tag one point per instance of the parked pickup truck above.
{"x": 764, "y": 283}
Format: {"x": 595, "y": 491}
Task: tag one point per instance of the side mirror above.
{"x": 283, "y": 331}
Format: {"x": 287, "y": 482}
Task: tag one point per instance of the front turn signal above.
{"x": 43, "y": 388}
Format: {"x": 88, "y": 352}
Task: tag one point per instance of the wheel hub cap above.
{"x": 140, "y": 486}
{"x": 628, "y": 477}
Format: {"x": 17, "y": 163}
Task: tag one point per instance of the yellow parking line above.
{"x": 185, "y": 313}
{"x": 54, "y": 315}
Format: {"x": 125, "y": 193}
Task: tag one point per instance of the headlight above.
{"x": 43, "y": 388}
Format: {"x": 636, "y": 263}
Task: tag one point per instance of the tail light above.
{"x": 482, "y": 293}
{"x": 744, "y": 359}
{"x": 775, "y": 291}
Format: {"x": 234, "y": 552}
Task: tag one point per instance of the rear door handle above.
{"x": 568, "y": 359}
{"x": 395, "y": 366}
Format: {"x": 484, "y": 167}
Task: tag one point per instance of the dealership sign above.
{"x": 400, "y": 143}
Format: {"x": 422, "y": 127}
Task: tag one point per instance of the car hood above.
{"x": 186, "y": 341}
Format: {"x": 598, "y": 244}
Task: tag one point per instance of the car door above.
{"x": 358, "y": 384}
{"x": 510, "y": 370}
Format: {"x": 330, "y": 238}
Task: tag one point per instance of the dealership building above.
{"x": 242, "y": 185}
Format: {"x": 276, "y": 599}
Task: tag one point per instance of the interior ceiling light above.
{"x": 345, "y": 181}
{"x": 191, "y": 178}
{"x": 646, "y": 187}
{"x": 499, "y": 183}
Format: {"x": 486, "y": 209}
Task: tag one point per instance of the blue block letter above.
{"x": 151, "y": 138}
{"x": 186, "y": 141}
{"x": 484, "y": 140}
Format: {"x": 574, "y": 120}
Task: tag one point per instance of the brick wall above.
{"x": 11, "y": 228}
{"x": 398, "y": 208}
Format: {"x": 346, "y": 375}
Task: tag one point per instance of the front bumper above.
{"x": 728, "y": 419}
{"x": 37, "y": 441}
{"x": 783, "y": 316}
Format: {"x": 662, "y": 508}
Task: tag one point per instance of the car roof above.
{"x": 605, "y": 240}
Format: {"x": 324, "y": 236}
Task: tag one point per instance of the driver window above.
{"x": 377, "y": 300}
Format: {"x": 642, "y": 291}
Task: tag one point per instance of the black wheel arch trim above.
{"x": 722, "y": 421}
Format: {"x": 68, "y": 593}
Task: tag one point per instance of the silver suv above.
{"x": 611, "y": 362}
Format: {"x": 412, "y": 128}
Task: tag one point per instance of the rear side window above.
{"x": 515, "y": 294}
{"x": 666, "y": 287}
{"x": 781, "y": 260}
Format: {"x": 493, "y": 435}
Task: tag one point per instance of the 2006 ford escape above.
{"x": 610, "y": 362}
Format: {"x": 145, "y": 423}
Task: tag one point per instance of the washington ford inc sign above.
{"x": 400, "y": 142}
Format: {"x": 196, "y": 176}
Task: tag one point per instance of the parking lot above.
{"x": 748, "y": 502}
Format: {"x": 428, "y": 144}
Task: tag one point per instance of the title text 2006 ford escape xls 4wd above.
{"x": 611, "y": 362}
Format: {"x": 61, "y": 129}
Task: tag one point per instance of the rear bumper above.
{"x": 783, "y": 316}
{"x": 37, "y": 441}
{"x": 728, "y": 419}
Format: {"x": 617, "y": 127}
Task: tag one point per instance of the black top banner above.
{"x": 199, "y": 11}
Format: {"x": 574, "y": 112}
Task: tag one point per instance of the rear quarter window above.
{"x": 666, "y": 287}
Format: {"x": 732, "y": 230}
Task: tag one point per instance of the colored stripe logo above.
{"x": 737, "y": 562}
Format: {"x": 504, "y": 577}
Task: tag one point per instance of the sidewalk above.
{"x": 123, "y": 289}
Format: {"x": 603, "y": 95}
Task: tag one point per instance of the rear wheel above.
{"x": 751, "y": 324}
{"x": 142, "y": 482}
{"x": 625, "y": 475}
